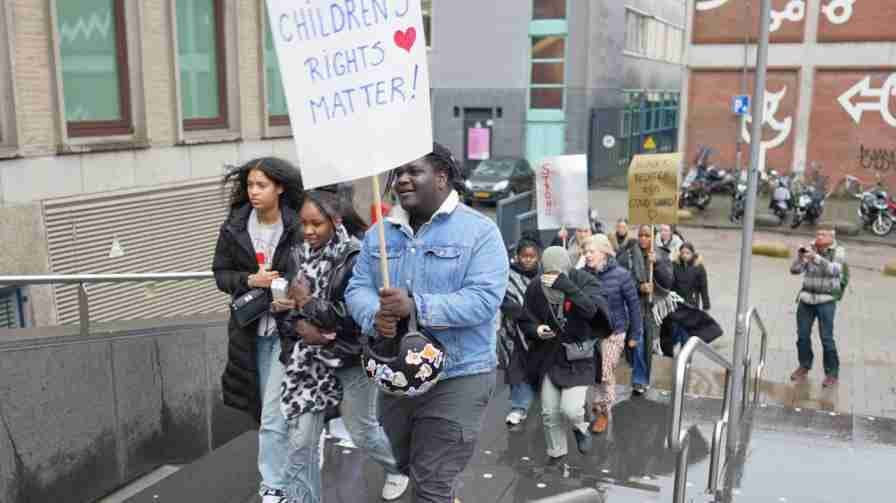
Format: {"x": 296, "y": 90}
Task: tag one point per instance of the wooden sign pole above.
{"x": 381, "y": 229}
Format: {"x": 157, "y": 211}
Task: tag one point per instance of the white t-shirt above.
{"x": 265, "y": 238}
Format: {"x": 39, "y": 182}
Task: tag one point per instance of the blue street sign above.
{"x": 741, "y": 105}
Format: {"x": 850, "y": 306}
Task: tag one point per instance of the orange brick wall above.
{"x": 728, "y": 23}
{"x": 870, "y": 20}
{"x": 711, "y": 122}
{"x": 838, "y": 142}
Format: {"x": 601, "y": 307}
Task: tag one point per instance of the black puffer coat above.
{"x": 233, "y": 263}
{"x": 587, "y": 318}
{"x": 690, "y": 282}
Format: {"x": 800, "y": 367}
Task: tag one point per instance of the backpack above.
{"x": 844, "y": 282}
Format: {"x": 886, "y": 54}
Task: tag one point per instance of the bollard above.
{"x": 775, "y": 250}
{"x": 890, "y": 269}
{"x": 577, "y": 496}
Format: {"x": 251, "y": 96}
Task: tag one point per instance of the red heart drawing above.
{"x": 405, "y": 39}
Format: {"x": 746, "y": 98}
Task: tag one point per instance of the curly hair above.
{"x": 280, "y": 171}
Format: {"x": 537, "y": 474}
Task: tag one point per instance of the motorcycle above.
{"x": 739, "y": 200}
{"x": 781, "y": 201}
{"x": 694, "y": 192}
{"x": 720, "y": 181}
{"x": 877, "y": 210}
{"x": 809, "y": 206}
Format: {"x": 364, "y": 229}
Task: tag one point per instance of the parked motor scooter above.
{"x": 877, "y": 210}
{"x": 809, "y": 206}
{"x": 720, "y": 181}
{"x": 781, "y": 201}
{"x": 694, "y": 193}
{"x": 739, "y": 200}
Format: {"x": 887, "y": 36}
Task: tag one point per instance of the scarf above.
{"x": 310, "y": 384}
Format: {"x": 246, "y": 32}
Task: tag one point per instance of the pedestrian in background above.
{"x": 669, "y": 240}
{"x": 252, "y": 250}
{"x": 513, "y": 347}
{"x": 825, "y": 278}
{"x": 618, "y": 288}
{"x": 561, "y": 305}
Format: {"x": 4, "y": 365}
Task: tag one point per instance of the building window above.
{"x": 652, "y": 38}
{"x": 278, "y": 113}
{"x": 547, "y": 78}
{"x": 93, "y": 52}
{"x": 549, "y": 9}
{"x": 201, "y": 60}
{"x": 426, "y": 6}
{"x": 635, "y": 36}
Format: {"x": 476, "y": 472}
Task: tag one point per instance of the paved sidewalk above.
{"x": 865, "y": 326}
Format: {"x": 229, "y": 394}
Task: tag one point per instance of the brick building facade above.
{"x": 831, "y": 92}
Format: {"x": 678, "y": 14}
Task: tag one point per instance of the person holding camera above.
{"x": 825, "y": 277}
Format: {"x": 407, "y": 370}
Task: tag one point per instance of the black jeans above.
{"x": 434, "y": 435}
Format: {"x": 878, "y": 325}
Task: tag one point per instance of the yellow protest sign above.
{"x": 649, "y": 143}
{"x": 653, "y": 189}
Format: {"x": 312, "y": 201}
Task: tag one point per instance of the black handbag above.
{"x": 249, "y": 306}
{"x": 580, "y": 350}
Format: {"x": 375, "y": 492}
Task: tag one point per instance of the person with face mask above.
{"x": 447, "y": 265}
{"x": 618, "y": 287}
{"x": 512, "y": 343}
{"x": 563, "y": 306}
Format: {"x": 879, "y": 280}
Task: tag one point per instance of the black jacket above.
{"x": 587, "y": 317}
{"x": 695, "y": 322}
{"x": 329, "y": 313}
{"x": 233, "y": 263}
{"x": 690, "y": 282}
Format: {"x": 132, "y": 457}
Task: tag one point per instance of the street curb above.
{"x": 788, "y": 232}
{"x": 774, "y": 250}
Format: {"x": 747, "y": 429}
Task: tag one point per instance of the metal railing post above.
{"x": 83, "y": 310}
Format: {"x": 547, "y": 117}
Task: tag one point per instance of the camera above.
{"x": 803, "y": 250}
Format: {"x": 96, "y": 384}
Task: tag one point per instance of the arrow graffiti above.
{"x": 862, "y": 89}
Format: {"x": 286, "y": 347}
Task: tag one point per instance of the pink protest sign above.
{"x": 478, "y": 139}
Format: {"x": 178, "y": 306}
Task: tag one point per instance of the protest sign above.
{"x": 653, "y": 189}
{"x": 561, "y": 185}
{"x": 478, "y": 143}
{"x": 356, "y": 81}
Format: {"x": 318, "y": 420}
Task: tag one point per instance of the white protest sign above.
{"x": 562, "y": 191}
{"x": 356, "y": 81}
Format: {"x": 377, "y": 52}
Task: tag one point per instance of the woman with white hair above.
{"x": 618, "y": 287}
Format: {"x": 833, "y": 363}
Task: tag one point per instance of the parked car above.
{"x": 497, "y": 179}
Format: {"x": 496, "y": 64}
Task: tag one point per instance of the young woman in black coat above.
{"x": 562, "y": 307}
{"x": 690, "y": 277}
{"x": 253, "y": 250}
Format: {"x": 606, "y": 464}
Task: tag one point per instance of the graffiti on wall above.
{"x": 838, "y": 11}
{"x": 782, "y": 127}
{"x": 879, "y": 160}
{"x": 795, "y": 11}
{"x": 862, "y": 97}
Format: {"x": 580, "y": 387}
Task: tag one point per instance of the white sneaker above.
{"x": 273, "y": 496}
{"x": 516, "y": 417}
{"x": 395, "y": 486}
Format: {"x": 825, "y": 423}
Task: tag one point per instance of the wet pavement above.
{"x": 793, "y": 456}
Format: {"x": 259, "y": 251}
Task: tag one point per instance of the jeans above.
{"x": 434, "y": 435}
{"x": 521, "y": 396}
{"x": 555, "y": 404}
{"x": 679, "y": 335}
{"x": 303, "y": 469}
{"x": 640, "y": 368}
{"x": 272, "y": 433}
{"x": 359, "y": 413}
{"x": 805, "y": 318}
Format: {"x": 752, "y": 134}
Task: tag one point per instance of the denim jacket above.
{"x": 456, "y": 267}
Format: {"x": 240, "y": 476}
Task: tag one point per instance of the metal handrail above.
{"x": 680, "y": 440}
{"x": 753, "y": 315}
{"x": 83, "y": 279}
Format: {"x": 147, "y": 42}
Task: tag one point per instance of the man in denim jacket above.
{"x": 453, "y": 261}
